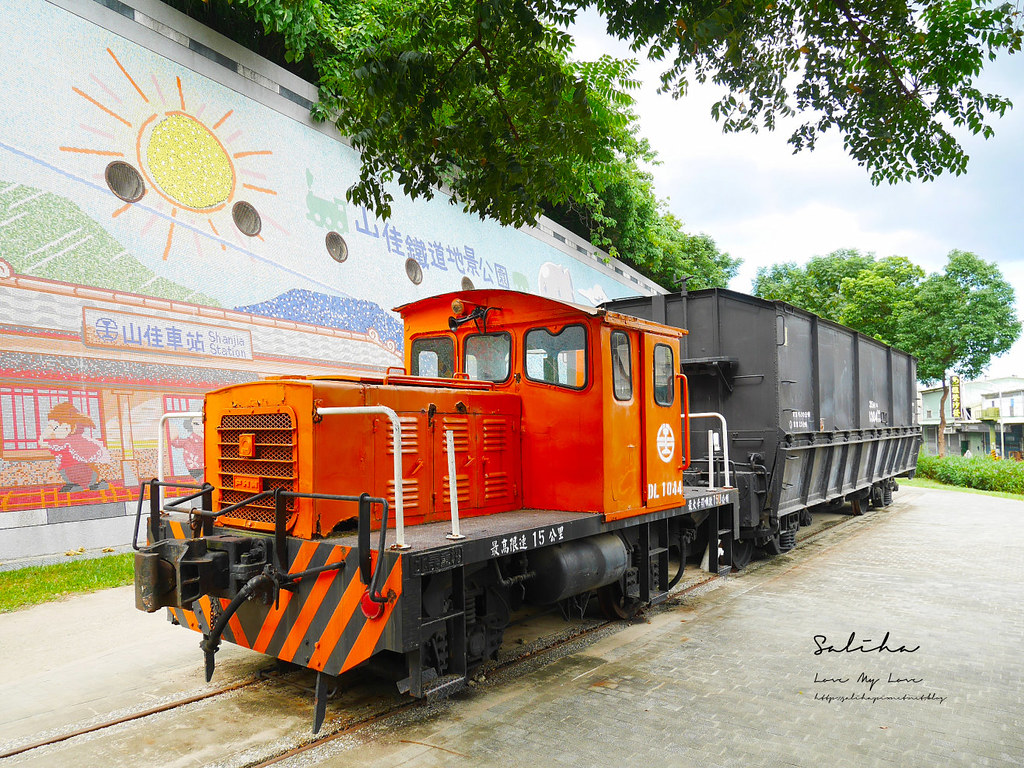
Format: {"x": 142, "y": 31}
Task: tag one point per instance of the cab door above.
{"x": 624, "y": 451}
{"x": 661, "y": 422}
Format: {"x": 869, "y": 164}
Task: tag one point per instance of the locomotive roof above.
{"x": 531, "y": 303}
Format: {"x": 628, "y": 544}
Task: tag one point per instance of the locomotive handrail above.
{"x": 208, "y": 514}
{"x": 396, "y": 432}
{"x": 160, "y": 438}
{"x": 725, "y": 441}
{"x": 371, "y": 576}
{"x": 686, "y": 419}
{"x": 155, "y": 506}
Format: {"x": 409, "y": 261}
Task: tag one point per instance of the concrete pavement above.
{"x": 730, "y": 679}
{"x": 726, "y": 678}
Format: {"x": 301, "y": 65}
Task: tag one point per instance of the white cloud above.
{"x": 813, "y": 228}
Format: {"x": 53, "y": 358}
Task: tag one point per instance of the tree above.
{"x": 848, "y": 287}
{"x": 482, "y": 95}
{"x": 814, "y": 287}
{"x": 958, "y": 321}
{"x": 874, "y": 300}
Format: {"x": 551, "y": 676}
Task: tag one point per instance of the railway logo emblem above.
{"x": 666, "y": 443}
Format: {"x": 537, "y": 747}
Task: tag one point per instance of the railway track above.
{"x": 177, "y": 704}
{"x": 535, "y": 651}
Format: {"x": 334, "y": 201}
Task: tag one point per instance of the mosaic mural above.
{"x": 161, "y": 235}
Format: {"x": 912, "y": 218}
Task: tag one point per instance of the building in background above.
{"x": 171, "y": 221}
{"x": 991, "y": 418}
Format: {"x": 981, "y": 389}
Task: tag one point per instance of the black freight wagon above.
{"x": 816, "y": 413}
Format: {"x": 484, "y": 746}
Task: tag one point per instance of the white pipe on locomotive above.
{"x": 396, "y": 433}
{"x": 160, "y": 443}
{"x": 711, "y": 459}
{"x": 725, "y": 440}
{"x": 453, "y": 486}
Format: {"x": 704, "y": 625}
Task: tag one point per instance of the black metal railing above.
{"x": 201, "y": 524}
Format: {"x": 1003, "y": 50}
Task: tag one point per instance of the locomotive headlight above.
{"x": 458, "y": 307}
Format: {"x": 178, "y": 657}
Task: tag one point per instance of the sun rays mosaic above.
{"x": 161, "y": 149}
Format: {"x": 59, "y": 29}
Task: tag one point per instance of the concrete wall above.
{"x": 171, "y": 221}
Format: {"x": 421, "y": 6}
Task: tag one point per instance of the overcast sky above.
{"x": 762, "y": 203}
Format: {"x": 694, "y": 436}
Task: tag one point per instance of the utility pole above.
{"x": 1002, "y": 431}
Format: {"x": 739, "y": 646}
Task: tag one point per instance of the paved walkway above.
{"x": 723, "y": 679}
{"x": 733, "y": 681}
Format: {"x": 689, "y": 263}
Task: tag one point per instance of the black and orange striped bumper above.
{"x": 319, "y": 623}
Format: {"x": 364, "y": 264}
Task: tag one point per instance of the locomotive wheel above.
{"x": 887, "y": 494}
{"x": 742, "y": 551}
{"x": 616, "y": 605}
{"x": 876, "y": 497}
{"x": 772, "y": 547}
{"x": 779, "y": 544}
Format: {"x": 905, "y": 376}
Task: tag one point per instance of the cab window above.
{"x": 488, "y": 356}
{"x": 622, "y": 366}
{"x": 557, "y": 358}
{"x": 664, "y": 375}
{"x": 433, "y": 356}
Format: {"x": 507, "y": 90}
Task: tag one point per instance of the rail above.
{"x": 396, "y": 432}
{"x": 711, "y": 452}
{"x": 160, "y": 439}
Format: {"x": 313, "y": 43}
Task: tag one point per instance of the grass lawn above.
{"x": 921, "y": 482}
{"x": 42, "y": 583}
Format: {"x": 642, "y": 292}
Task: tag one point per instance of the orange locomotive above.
{"x": 565, "y": 430}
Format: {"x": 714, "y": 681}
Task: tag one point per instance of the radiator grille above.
{"x": 497, "y": 487}
{"x": 461, "y": 484}
{"x": 272, "y": 465}
{"x": 410, "y": 436}
{"x": 459, "y": 425}
{"x": 495, "y": 434}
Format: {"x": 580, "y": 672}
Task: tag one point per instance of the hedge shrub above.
{"x": 980, "y": 472}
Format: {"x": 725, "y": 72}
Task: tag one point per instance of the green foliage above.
{"x": 875, "y": 300}
{"x": 848, "y": 287}
{"x": 41, "y": 584}
{"x": 814, "y": 287}
{"x": 894, "y": 79}
{"x": 980, "y": 472}
{"x": 958, "y": 320}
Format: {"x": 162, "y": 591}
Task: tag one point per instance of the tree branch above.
{"x": 477, "y": 44}
{"x": 496, "y": 87}
{"x": 879, "y": 55}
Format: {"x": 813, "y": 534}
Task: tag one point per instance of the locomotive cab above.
{"x": 601, "y": 407}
